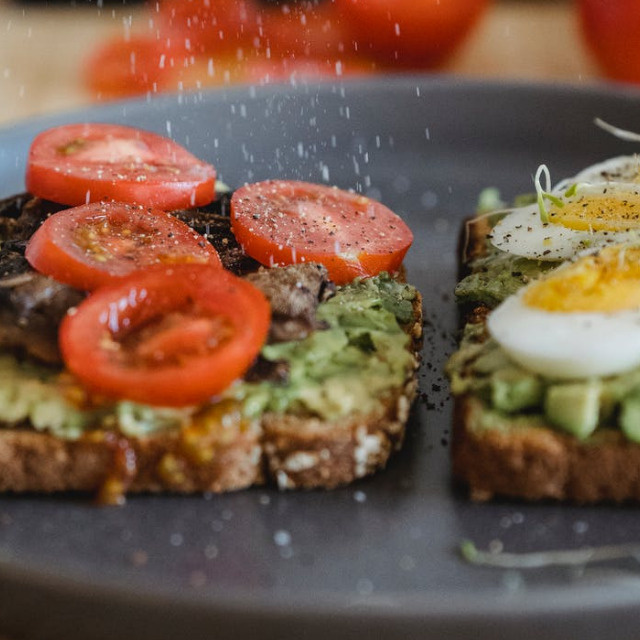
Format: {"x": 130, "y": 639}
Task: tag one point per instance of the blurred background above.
{"x": 62, "y": 54}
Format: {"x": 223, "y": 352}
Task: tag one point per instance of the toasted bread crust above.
{"x": 40, "y": 462}
{"x": 292, "y": 451}
{"x": 310, "y": 453}
{"x": 541, "y": 463}
{"x": 537, "y": 463}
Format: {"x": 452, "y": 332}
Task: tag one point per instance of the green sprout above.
{"x": 545, "y": 193}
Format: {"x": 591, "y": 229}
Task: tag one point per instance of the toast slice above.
{"x": 500, "y": 448}
{"x": 55, "y": 437}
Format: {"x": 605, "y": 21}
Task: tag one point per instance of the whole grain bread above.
{"x": 537, "y": 462}
{"x": 540, "y": 463}
{"x": 219, "y": 451}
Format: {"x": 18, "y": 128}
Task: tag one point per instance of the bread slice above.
{"x": 531, "y": 459}
{"x": 215, "y": 448}
{"x": 307, "y": 453}
{"x": 219, "y": 450}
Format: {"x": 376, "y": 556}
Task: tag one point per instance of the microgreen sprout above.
{"x": 535, "y": 560}
{"x": 623, "y": 134}
{"x": 545, "y": 193}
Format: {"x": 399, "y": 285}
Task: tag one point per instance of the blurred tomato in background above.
{"x": 191, "y": 44}
{"x": 612, "y": 32}
{"x": 409, "y": 33}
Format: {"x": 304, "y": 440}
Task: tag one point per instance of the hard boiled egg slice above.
{"x": 581, "y": 320}
{"x": 593, "y": 215}
{"x": 625, "y": 169}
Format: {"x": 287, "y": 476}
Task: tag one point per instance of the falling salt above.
{"x": 580, "y": 527}
{"x": 360, "y": 496}
{"x": 282, "y": 538}
{"x": 429, "y": 199}
{"x": 211, "y": 552}
{"x": 364, "y": 587}
{"x": 217, "y": 526}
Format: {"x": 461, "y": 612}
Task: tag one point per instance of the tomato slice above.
{"x": 173, "y": 336}
{"x": 284, "y": 221}
{"x": 98, "y": 243}
{"x": 80, "y": 163}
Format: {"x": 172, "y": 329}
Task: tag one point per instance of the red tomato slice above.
{"x": 80, "y": 163}
{"x": 284, "y": 221}
{"x": 173, "y": 336}
{"x": 98, "y": 243}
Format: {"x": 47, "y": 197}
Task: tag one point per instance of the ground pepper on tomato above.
{"x": 80, "y": 163}
{"x": 286, "y": 221}
{"x": 99, "y": 243}
{"x": 169, "y": 336}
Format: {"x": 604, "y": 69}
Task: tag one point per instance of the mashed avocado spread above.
{"x": 514, "y": 397}
{"x": 347, "y": 367}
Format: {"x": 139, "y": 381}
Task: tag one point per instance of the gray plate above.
{"x": 380, "y": 558}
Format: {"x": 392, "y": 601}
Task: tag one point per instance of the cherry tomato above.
{"x": 126, "y": 67}
{"x": 213, "y": 26}
{"x": 305, "y": 29}
{"x": 611, "y": 32}
{"x": 410, "y": 33}
{"x": 284, "y": 221}
{"x": 79, "y": 163}
{"x": 166, "y": 336}
{"x": 98, "y": 243}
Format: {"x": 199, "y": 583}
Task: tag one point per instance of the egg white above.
{"x": 567, "y": 345}
{"x": 621, "y": 169}
{"x": 523, "y": 233}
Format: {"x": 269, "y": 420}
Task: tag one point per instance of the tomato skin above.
{"x": 410, "y": 33}
{"x": 124, "y": 67}
{"x": 94, "y": 339}
{"x": 213, "y": 26}
{"x": 80, "y": 163}
{"x": 611, "y": 31}
{"x": 305, "y": 30}
{"x": 285, "y": 221}
{"x": 99, "y": 243}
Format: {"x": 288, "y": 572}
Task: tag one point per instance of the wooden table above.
{"x": 42, "y": 49}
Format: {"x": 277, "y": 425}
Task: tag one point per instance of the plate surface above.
{"x": 380, "y": 558}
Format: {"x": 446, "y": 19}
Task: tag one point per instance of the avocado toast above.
{"x": 326, "y": 401}
{"x": 550, "y": 420}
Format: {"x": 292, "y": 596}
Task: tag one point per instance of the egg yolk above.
{"x": 607, "y": 281}
{"x": 600, "y": 212}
